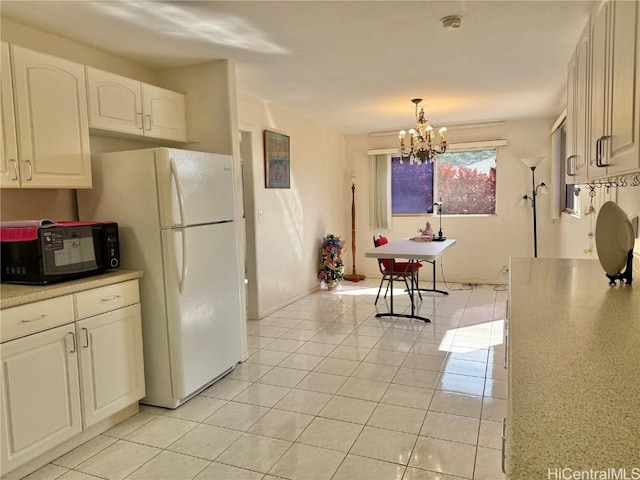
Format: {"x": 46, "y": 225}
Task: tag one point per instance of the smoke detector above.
{"x": 451, "y": 22}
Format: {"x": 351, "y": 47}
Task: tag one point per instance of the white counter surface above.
{"x": 13, "y": 295}
{"x": 574, "y": 370}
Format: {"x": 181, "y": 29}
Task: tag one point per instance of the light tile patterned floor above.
{"x": 332, "y": 392}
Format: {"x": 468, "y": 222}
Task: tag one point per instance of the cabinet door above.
{"x": 111, "y": 365}
{"x": 622, "y": 152}
{"x": 164, "y": 113}
{"x": 570, "y": 142}
{"x": 115, "y": 102}
{"x": 40, "y": 394}
{"x": 9, "y": 151}
{"x": 52, "y": 120}
{"x": 582, "y": 107}
{"x": 599, "y": 83}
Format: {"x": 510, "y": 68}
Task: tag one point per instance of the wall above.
{"x": 484, "y": 243}
{"x": 576, "y": 234}
{"x": 290, "y": 223}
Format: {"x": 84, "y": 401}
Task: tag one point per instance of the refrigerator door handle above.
{"x": 174, "y": 174}
{"x": 183, "y": 274}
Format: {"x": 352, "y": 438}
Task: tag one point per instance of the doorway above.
{"x": 248, "y": 216}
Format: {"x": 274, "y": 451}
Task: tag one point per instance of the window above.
{"x": 411, "y": 188}
{"x": 464, "y": 180}
{"x": 467, "y": 182}
{"x": 571, "y": 200}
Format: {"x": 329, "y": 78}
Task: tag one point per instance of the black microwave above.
{"x": 57, "y": 251}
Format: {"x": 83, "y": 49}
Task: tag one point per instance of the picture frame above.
{"x": 277, "y": 166}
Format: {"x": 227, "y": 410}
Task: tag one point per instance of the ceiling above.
{"x": 354, "y": 65}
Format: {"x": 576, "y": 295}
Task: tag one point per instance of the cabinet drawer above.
{"x": 105, "y": 299}
{"x": 35, "y": 317}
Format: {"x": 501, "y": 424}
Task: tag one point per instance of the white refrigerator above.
{"x": 175, "y": 213}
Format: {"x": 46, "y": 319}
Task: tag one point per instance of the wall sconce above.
{"x": 540, "y": 189}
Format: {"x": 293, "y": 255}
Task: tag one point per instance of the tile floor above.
{"x": 331, "y": 392}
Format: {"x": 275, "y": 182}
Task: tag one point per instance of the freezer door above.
{"x": 203, "y": 304}
{"x": 194, "y": 187}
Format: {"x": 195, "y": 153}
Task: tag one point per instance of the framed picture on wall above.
{"x": 277, "y": 168}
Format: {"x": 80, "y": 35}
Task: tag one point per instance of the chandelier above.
{"x": 422, "y": 146}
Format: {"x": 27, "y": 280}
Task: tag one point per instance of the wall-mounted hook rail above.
{"x": 632, "y": 180}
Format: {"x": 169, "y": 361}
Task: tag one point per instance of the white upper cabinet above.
{"x": 164, "y": 113}
{"x": 577, "y": 108}
{"x": 120, "y": 104}
{"x": 622, "y": 151}
{"x": 9, "y": 161}
{"x": 51, "y": 120}
{"x": 615, "y": 108}
{"x": 115, "y": 102}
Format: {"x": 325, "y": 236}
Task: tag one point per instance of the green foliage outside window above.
{"x": 467, "y": 182}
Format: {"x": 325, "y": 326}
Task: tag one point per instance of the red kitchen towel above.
{"x": 27, "y": 230}
{"x": 18, "y": 234}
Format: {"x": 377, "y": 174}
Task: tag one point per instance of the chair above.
{"x": 401, "y": 270}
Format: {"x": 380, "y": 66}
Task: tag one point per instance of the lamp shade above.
{"x": 523, "y": 201}
{"x": 532, "y": 162}
{"x": 543, "y": 189}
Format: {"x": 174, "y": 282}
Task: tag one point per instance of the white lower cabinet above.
{"x": 40, "y": 394}
{"x": 58, "y": 382}
{"x": 111, "y": 365}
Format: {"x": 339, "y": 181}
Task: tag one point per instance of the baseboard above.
{"x": 289, "y": 301}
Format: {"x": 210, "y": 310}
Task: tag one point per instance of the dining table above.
{"x": 414, "y": 251}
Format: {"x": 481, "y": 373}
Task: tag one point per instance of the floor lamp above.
{"x": 540, "y": 189}
{"x": 353, "y": 276}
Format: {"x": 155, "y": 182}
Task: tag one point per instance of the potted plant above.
{"x": 331, "y": 264}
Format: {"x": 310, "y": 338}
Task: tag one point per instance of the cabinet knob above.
{"x": 15, "y": 168}
{"x": 504, "y": 445}
{"x": 110, "y": 299}
{"x": 29, "y": 320}
{"x": 570, "y": 167}
{"x": 30, "y": 177}
{"x": 73, "y": 342}
{"x": 599, "y": 162}
{"x": 86, "y": 338}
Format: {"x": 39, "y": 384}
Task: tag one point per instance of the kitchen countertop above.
{"x": 13, "y": 295}
{"x": 574, "y": 370}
